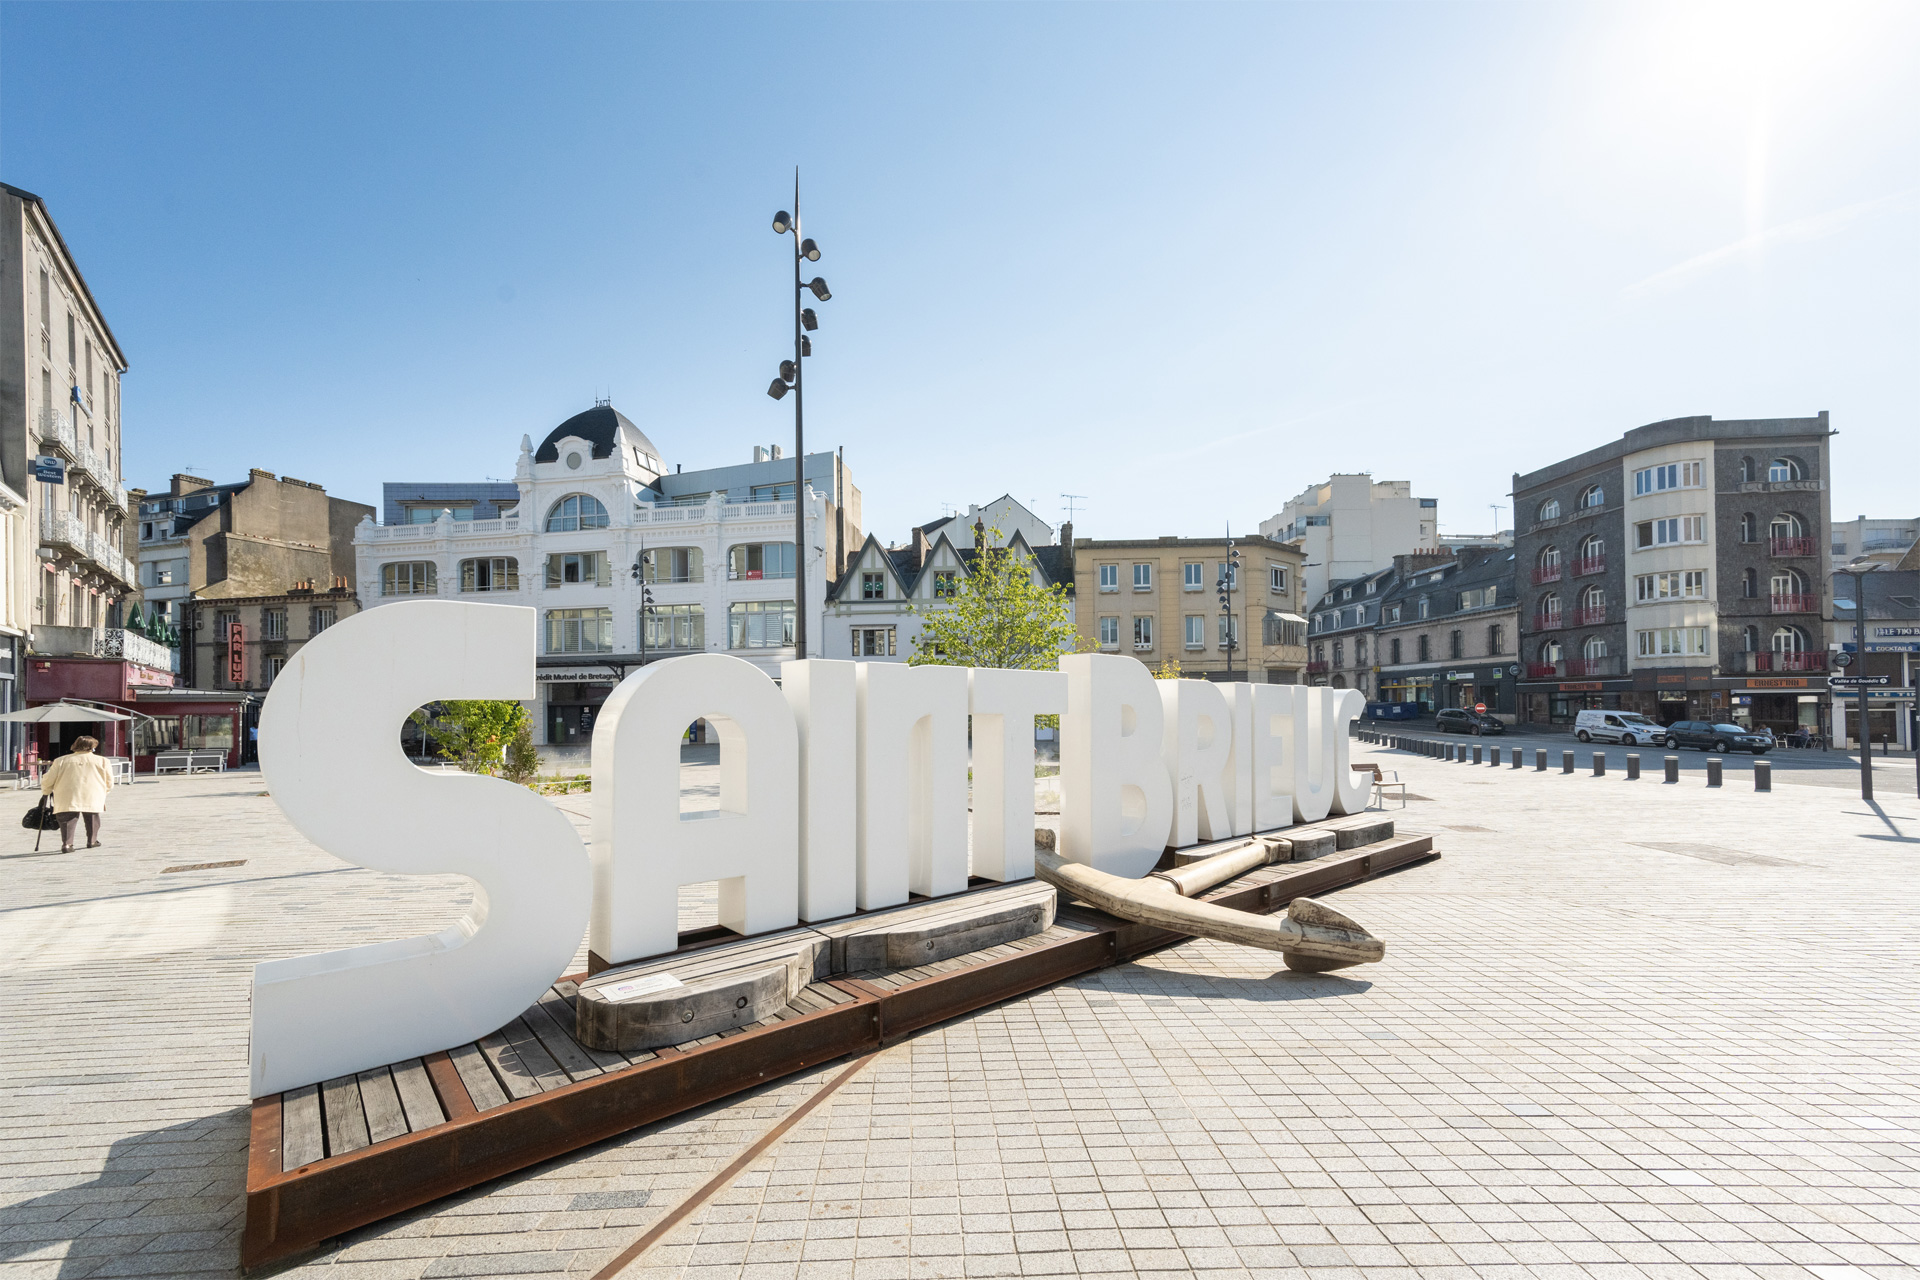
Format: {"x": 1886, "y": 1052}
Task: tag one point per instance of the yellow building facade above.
{"x": 1158, "y": 599}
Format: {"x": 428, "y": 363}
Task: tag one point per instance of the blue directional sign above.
{"x": 48, "y": 469}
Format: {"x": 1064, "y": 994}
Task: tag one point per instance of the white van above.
{"x": 1627, "y": 727}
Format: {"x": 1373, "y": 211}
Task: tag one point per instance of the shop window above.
{"x": 579, "y": 567}
{"x": 206, "y": 733}
{"x": 680, "y": 627}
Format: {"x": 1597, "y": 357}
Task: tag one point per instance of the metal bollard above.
{"x": 1633, "y": 766}
{"x": 1494, "y": 755}
{"x": 1599, "y": 764}
{"x": 1566, "y": 762}
{"x": 1476, "y": 755}
{"x": 1713, "y": 771}
{"x": 1673, "y": 768}
{"x": 1518, "y": 757}
{"x": 1763, "y": 775}
{"x": 1540, "y": 760}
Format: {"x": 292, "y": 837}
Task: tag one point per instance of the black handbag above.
{"x": 40, "y": 817}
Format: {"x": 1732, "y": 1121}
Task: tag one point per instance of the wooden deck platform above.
{"x": 327, "y": 1158}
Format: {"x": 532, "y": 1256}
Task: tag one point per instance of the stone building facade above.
{"x": 246, "y": 572}
{"x": 1449, "y": 633}
{"x": 1157, "y": 599}
{"x": 1677, "y": 572}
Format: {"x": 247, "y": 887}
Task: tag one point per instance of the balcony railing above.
{"x": 134, "y": 647}
{"x": 1547, "y": 622}
{"x": 1607, "y": 666}
{"x": 1589, "y": 617}
{"x": 1545, "y": 670}
{"x": 1812, "y": 660}
{"x": 1545, "y": 573}
{"x": 59, "y": 527}
{"x": 1795, "y": 602}
{"x": 1790, "y": 547}
{"x": 53, "y": 428}
{"x": 1589, "y": 565}
{"x": 1317, "y": 668}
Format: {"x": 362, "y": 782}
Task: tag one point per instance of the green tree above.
{"x": 523, "y": 758}
{"x": 475, "y": 733}
{"x": 1000, "y": 617}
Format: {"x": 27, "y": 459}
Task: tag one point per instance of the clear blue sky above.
{"x": 1185, "y": 260}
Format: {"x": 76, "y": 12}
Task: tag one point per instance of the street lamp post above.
{"x": 1229, "y": 579}
{"x": 646, "y": 599}
{"x": 804, "y": 322}
{"x": 1859, "y": 691}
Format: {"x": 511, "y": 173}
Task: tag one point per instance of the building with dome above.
{"x": 592, "y": 511}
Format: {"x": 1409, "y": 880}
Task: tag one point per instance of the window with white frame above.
{"x": 1109, "y": 577}
{"x": 1143, "y": 577}
{"x": 408, "y": 578}
{"x": 579, "y": 631}
{"x": 1670, "y": 531}
{"x": 273, "y": 624}
{"x": 1110, "y": 631}
{"x": 1231, "y": 572}
{"x": 1196, "y": 630}
{"x": 672, "y": 564}
{"x": 760, "y": 624}
{"x": 320, "y": 617}
{"x": 490, "y": 573}
{"x": 1672, "y": 475}
{"x": 1229, "y": 630}
{"x": 1142, "y": 631}
{"x": 1277, "y": 579}
{"x": 576, "y": 511}
{"x": 1781, "y": 470}
{"x": 1672, "y": 642}
{"x": 873, "y": 586}
{"x": 754, "y": 560}
{"x": 573, "y": 567}
{"x": 873, "y": 642}
{"x": 1193, "y": 577}
{"x": 681, "y": 627}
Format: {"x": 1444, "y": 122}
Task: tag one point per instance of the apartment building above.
{"x": 598, "y": 518}
{"x": 62, "y": 505}
{"x": 1342, "y": 652}
{"x": 1677, "y": 572}
{"x": 1158, "y": 599}
{"x": 245, "y": 573}
{"x": 1885, "y": 542}
{"x": 1448, "y": 634}
{"x": 876, "y": 611}
{"x": 1351, "y": 525}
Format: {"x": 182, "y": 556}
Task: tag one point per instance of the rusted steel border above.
{"x": 289, "y": 1211}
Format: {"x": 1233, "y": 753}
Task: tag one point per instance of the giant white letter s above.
{"x": 330, "y": 753}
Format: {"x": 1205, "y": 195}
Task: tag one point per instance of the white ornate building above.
{"x": 598, "y": 510}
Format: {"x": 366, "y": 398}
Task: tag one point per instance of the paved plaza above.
{"x": 1622, "y": 1029}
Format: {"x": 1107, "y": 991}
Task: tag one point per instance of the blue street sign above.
{"x": 48, "y": 469}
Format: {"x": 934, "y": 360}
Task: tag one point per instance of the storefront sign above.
{"x": 1897, "y": 631}
{"x": 1459, "y": 675}
{"x": 1670, "y": 679}
{"x": 1754, "y": 682}
{"x": 577, "y": 677}
{"x": 1584, "y": 686}
{"x": 879, "y": 751}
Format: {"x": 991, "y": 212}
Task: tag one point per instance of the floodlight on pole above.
{"x": 819, "y": 287}
{"x": 810, "y": 251}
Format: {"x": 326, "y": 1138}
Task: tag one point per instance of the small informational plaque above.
{"x": 652, "y": 983}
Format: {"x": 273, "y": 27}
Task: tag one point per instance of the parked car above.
{"x": 1629, "y": 728}
{"x": 1461, "y": 720}
{"x": 1709, "y": 736}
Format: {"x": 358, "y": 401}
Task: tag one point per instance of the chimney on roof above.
{"x": 919, "y": 547}
{"x": 184, "y": 484}
{"x": 1066, "y": 536}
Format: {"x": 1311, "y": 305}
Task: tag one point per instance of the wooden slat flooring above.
{"x": 537, "y": 1052}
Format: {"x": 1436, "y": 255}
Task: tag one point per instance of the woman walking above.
{"x": 79, "y": 782}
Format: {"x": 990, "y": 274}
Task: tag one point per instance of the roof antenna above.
{"x": 1071, "y": 499}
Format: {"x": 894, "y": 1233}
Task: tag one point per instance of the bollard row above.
{"x": 1457, "y": 753}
